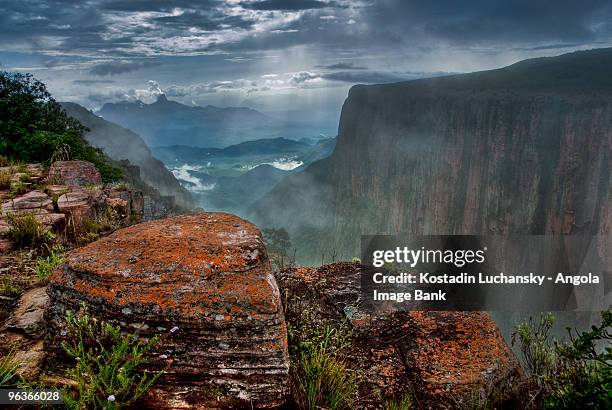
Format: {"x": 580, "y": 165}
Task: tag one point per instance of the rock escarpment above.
{"x": 524, "y": 149}
{"x": 203, "y": 281}
{"x": 442, "y": 359}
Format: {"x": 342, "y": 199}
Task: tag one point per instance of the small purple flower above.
{"x": 111, "y": 398}
{"x": 174, "y": 329}
{"x": 163, "y": 356}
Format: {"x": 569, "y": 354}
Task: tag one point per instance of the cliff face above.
{"x": 524, "y": 149}
{"x": 120, "y": 143}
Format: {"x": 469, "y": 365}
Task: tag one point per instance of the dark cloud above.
{"x": 284, "y": 5}
{"x": 139, "y": 27}
{"x": 92, "y": 82}
{"x": 119, "y": 67}
{"x": 153, "y": 5}
{"x": 376, "y": 77}
{"x": 491, "y": 21}
{"x": 342, "y": 66}
{"x": 201, "y": 42}
{"x": 209, "y": 20}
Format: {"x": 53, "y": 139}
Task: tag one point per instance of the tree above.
{"x": 33, "y": 126}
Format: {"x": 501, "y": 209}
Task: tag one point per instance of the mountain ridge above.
{"x": 209, "y": 126}
{"x": 120, "y": 143}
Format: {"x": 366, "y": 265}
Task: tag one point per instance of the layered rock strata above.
{"x": 203, "y": 283}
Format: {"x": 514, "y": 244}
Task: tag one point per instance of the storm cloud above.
{"x": 222, "y": 52}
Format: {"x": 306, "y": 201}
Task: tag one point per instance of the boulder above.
{"x": 27, "y": 318}
{"x": 203, "y": 283}
{"x": 76, "y": 203}
{"x": 23, "y": 333}
{"x": 32, "y": 201}
{"x": 445, "y": 359}
{"x": 73, "y": 173}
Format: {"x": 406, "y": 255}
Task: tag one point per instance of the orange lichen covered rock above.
{"x": 445, "y": 359}
{"x": 204, "y": 283}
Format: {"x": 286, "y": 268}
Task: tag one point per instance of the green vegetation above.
{"x": 8, "y": 371}
{"x": 34, "y": 126}
{"x": 278, "y": 244}
{"x": 405, "y": 403}
{"x": 89, "y": 230}
{"x": 25, "y": 230}
{"x": 108, "y": 365}
{"x": 9, "y": 289}
{"x": 25, "y": 178}
{"x": 320, "y": 377}
{"x": 5, "y": 180}
{"x": 571, "y": 375}
{"x": 17, "y": 188}
{"x": 45, "y": 265}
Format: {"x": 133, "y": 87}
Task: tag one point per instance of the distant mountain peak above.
{"x": 162, "y": 98}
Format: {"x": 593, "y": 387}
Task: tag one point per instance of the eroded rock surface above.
{"x": 444, "y": 359}
{"x": 23, "y": 332}
{"x": 202, "y": 282}
{"x": 36, "y": 203}
{"x": 77, "y": 173}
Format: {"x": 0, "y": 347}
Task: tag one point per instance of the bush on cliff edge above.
{"x": 34, "y": 126}
{"x": 576, "y": 374}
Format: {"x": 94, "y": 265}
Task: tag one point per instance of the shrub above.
{"x": 5, "y": 180}
{"x": 320, "y": 378}
{"x": 25, "y": 178}
{"x": 8, "y": 371}
{"x": 18, "y": 188}
{"x": 89, "y": 230}
{"x": 536, "y": 345}
{"x": 26, "y": 230}
{"x": 584, "y": 369}
{"x": 108, "y": 365}
{"x": 45, "y": 265}
{"x": 9, "y": 289}
{"x": 571, "y": 375}
{"x": 4, "y": 161}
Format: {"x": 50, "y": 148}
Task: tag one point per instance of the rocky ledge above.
{"x": 203, "y": 281}
{"x": 442, "y": 359}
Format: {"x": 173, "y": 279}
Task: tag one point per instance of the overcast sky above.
{"x": 278, "y": 55}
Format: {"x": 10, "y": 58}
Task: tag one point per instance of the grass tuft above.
{"x": 25, "y": 230}
{"x": 320, "y": 377}
{"x": 8, "y": 371}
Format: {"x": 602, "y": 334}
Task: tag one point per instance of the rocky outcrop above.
{"x": 444, "y": 359}
{"x": 74, "y": 173}
{"x": 35, "y": 203}
{"x": 204, "y": 283}
{"x": 525, "y": 149}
